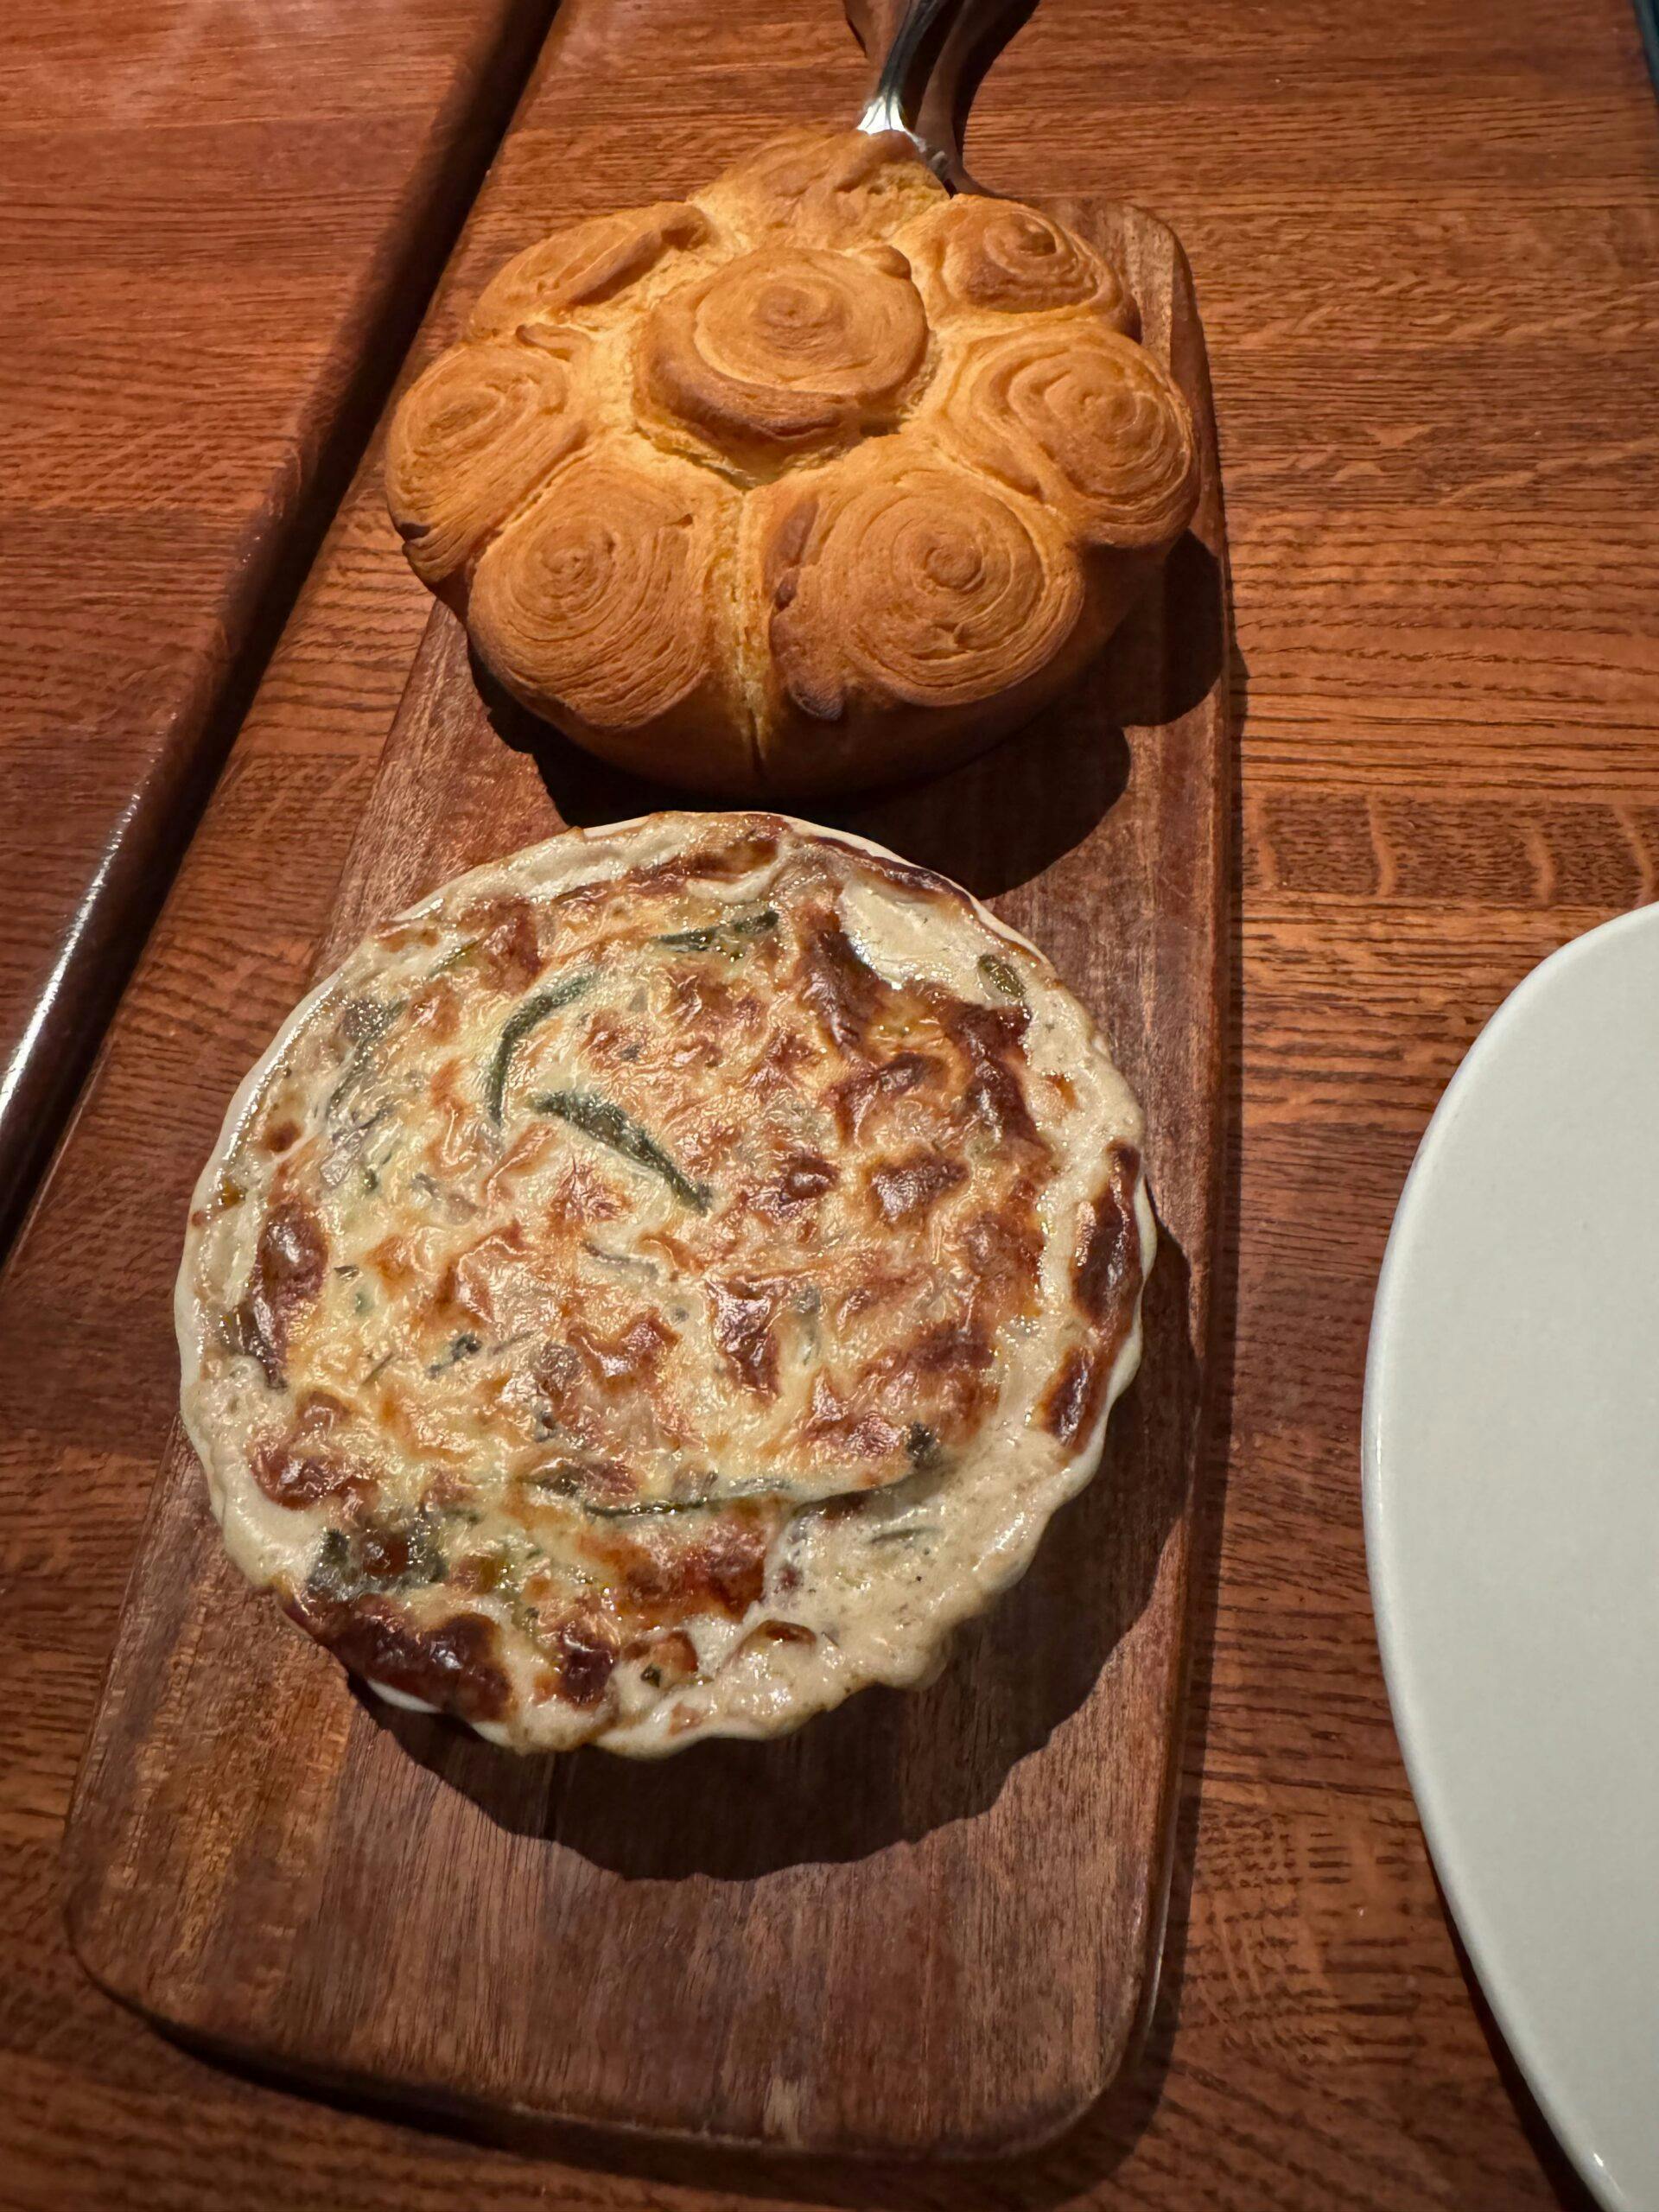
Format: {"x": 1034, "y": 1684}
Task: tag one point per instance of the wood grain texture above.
{"x": 216, "y": 228}
{"x": 1426, "y": 249}
{"x": 287, "y": 1894}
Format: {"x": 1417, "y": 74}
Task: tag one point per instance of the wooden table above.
{"x": 1427, "y": 243}
{"x": 217, "y": 223}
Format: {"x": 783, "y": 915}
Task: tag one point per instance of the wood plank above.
{"x": 1426, "y": 810}
{"x": 217, "y": 228}
{"x": 288, "y": 1893}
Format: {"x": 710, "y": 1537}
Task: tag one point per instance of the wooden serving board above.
{"x": 926, "y": 1925}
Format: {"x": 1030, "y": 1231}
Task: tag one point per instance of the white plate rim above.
{"x": 1485, "y": 1948}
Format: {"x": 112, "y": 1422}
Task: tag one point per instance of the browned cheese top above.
{"x": 623, "y": 1211}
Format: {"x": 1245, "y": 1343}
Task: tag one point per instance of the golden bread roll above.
{"x": 1078, "y": 417}
{"x": 911, "y": 603}
{"x": 786, "y": 350}
{"x": 823, "y": 187}
{"x": 478, "y": 433}
{"x": 973, "y": 254}
{"x": 821, "y": 479}
{"x": 579, "y": 267}
{"x": 614, "y": 597}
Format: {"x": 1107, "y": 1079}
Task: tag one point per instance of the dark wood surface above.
{"x": 294, "y": 1902}
{"x": 1426, "y": 249}
{"x": 217, "y": 224}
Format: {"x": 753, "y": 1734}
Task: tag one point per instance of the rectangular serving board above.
{"x": 926, "y": 1925}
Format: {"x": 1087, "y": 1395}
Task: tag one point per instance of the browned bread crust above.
{"x": 821, "y": 479}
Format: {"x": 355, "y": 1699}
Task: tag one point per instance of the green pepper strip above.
{"x": 528, "y": 1016}
{"x": 1001, "y": 975}
{"x": 707, "y": 939}
{"x": 601, "y": 1118}
{"x": 375, "y": 1019}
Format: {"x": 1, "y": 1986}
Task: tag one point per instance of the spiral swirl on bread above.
{"x": 601, "y": 603}
{"x": 1078, "y": 415}
{"x": 996, "y": 255}
{"x": 818, "y": 478}
{"x": 584, "y": 265}
{"x": 790, "y": 347}
{"x": 474, "y": 438}
{"x": 916, "y": 585}
{"x": 825, "y": 187}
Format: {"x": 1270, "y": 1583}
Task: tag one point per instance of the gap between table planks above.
{"x": 928, "y": 1923}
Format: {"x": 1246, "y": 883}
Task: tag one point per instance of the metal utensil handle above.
{"x": 931, "y": 55}
{"x": 889, "y": 108}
